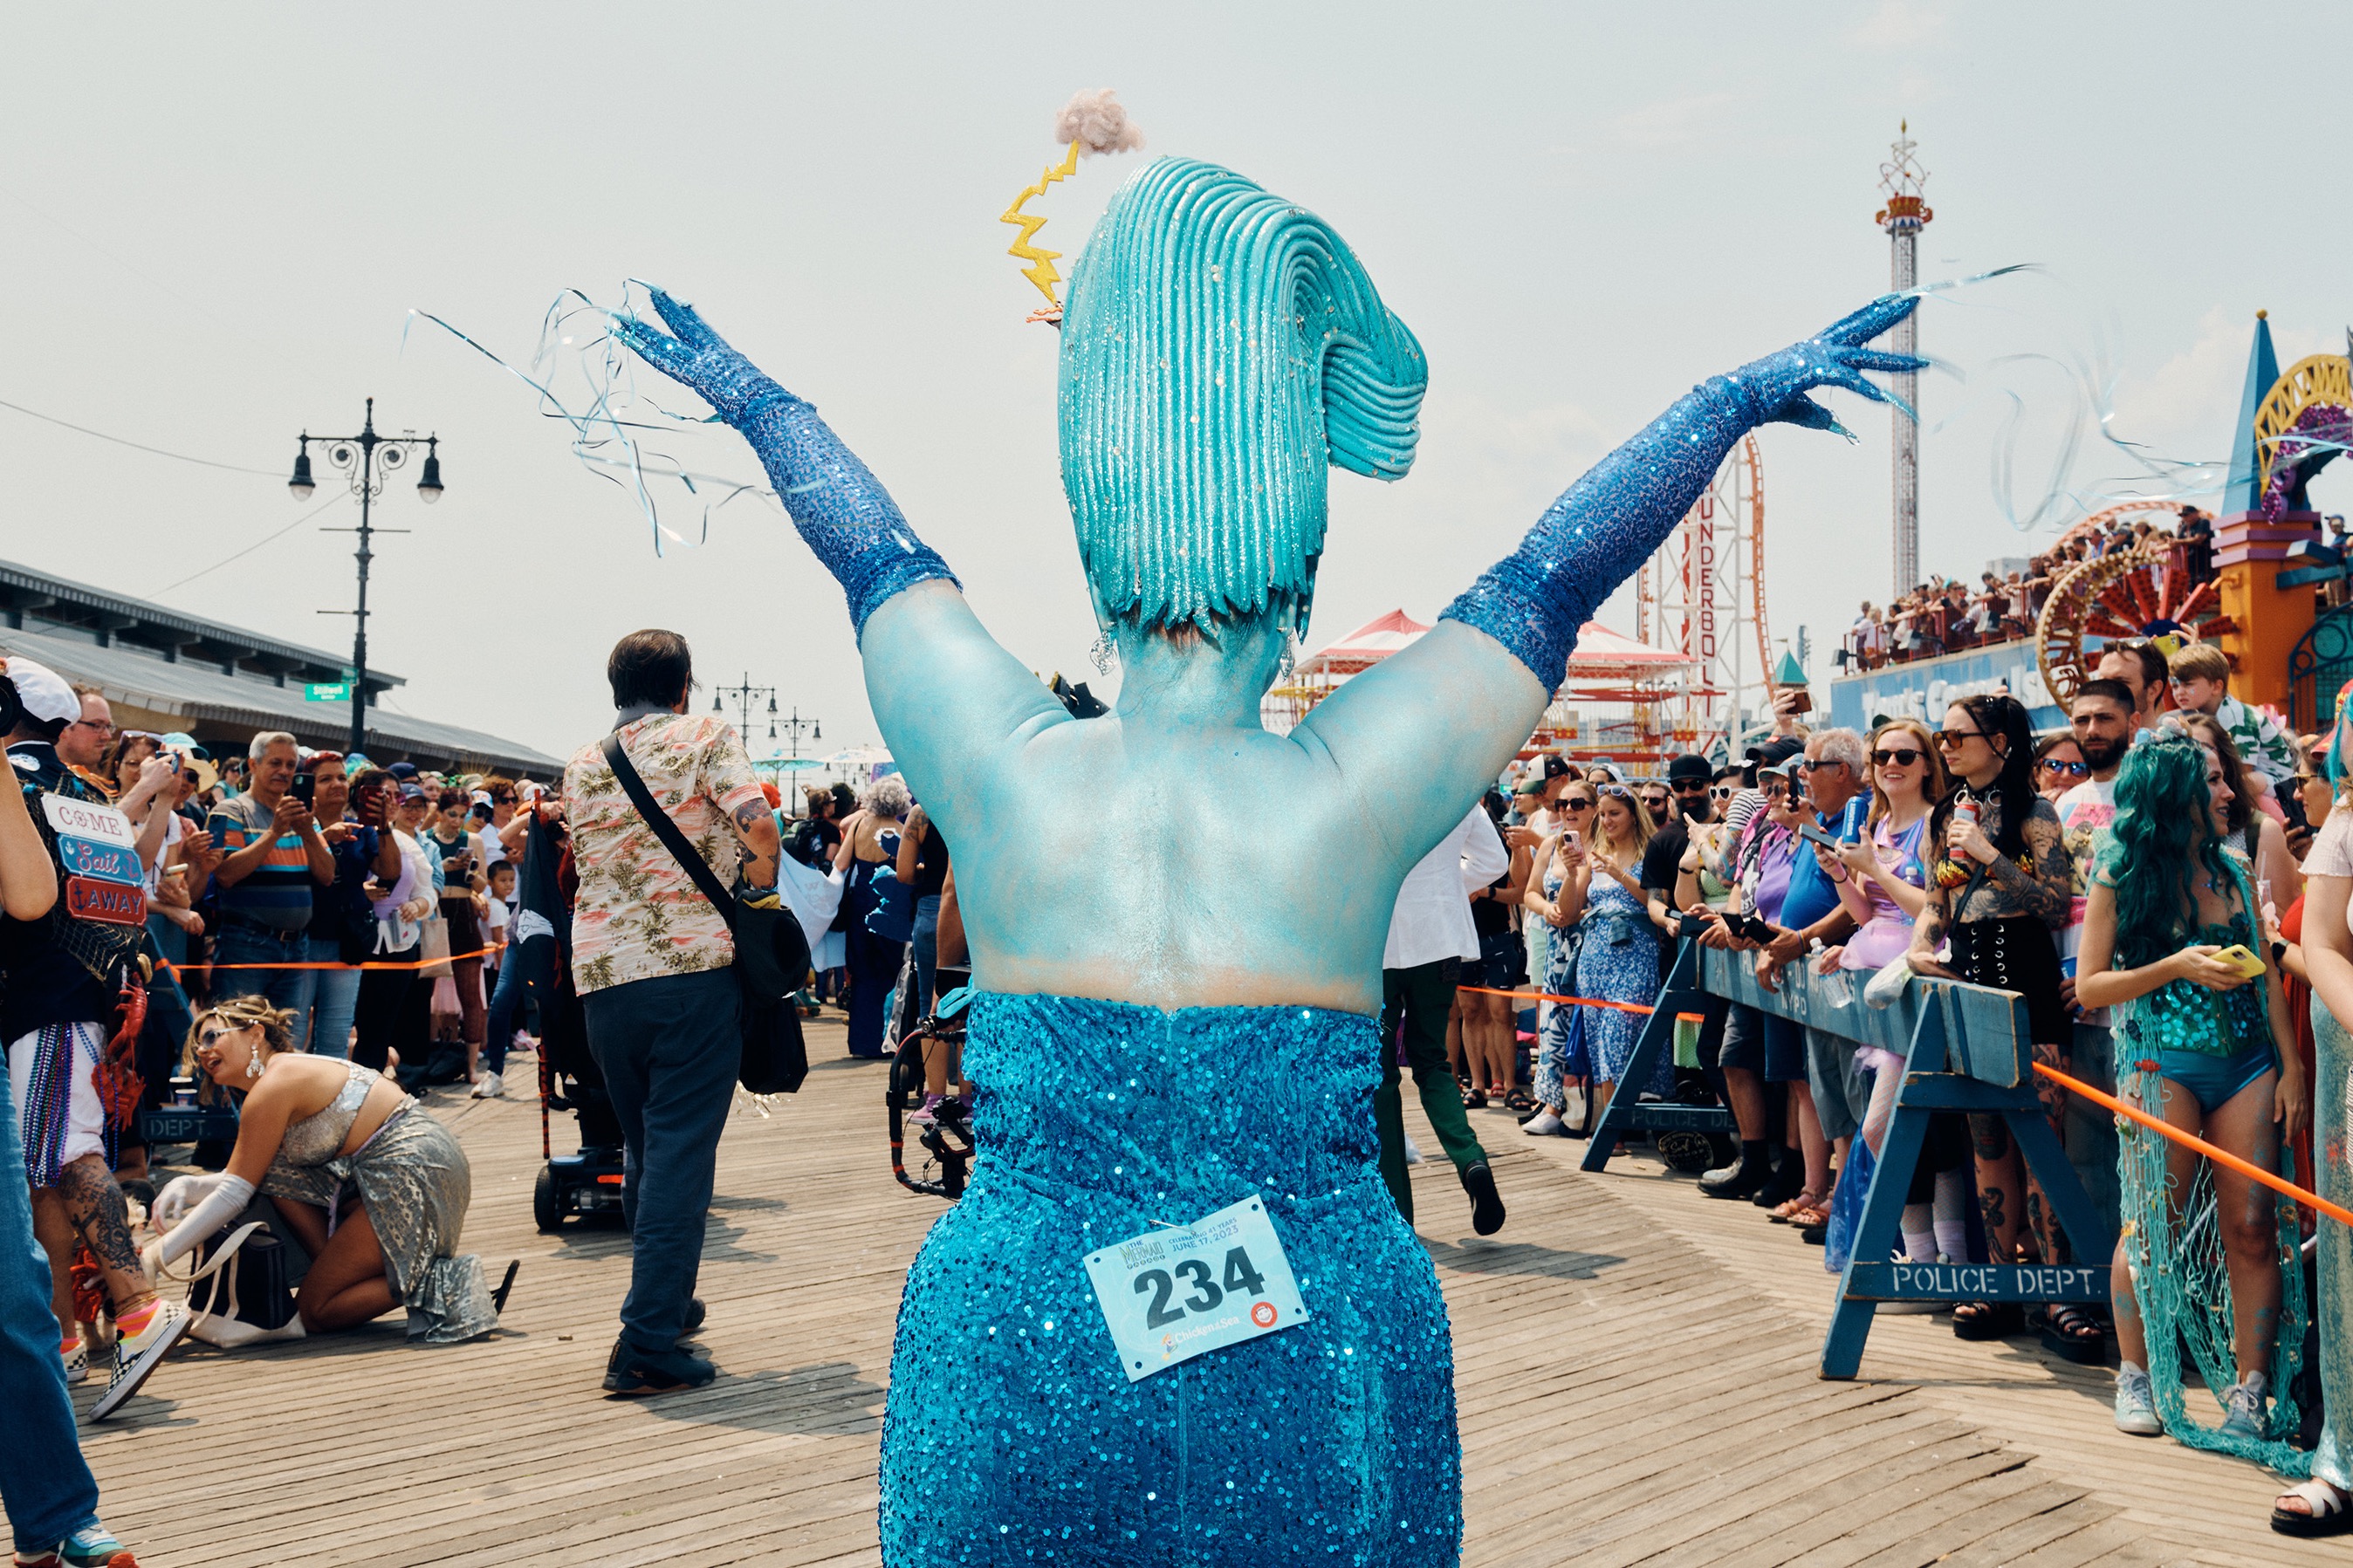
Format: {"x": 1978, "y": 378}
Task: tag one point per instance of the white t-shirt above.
{"x": 2332, "y": 847}
{"x": 2083, "y": 812}
{"x": 175, "y": 829}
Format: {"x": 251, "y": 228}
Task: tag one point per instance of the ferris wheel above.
{"x": 2126, "y": 595}
{"x": 1703, "y": 595}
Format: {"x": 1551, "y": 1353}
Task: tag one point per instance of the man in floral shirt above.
{"x": 650, "y": 957}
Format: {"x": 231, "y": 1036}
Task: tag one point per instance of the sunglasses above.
{"x": 1692, "y": 786}
{"x": 2072, "y": 770}
{"x": 1812, "y": 764}
{"x": 1952, "y": 738}
{"x": 210, "y": 1037}
{"x": 1899, "y": 756}
{"x": 1721, "y": 792}
{"x": 1578, "y": 803}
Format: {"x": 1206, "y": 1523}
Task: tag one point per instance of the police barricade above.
{"x": 1629, "y": 1112}
{"x": 1966, "y": 1049}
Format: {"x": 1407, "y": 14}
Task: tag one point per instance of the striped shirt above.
{"x": 277, "y": 893}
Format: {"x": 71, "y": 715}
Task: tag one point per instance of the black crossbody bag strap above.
{"x": 695, "y": 866}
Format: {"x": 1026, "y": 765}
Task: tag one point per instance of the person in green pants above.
{"x": 1430, "y": 934}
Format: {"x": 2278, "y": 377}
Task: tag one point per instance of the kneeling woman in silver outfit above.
{"x": 374, "y": 1186}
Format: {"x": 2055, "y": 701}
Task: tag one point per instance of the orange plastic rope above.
{"x": 1577, "y": 1001}
{"x": 2219, "y": 1156}
{"x": 371, "y": 963}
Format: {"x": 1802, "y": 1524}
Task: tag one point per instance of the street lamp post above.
{"x": 793, "y": 727}
{"x": 745, "y": 695}
{"x": 366, "y": 458}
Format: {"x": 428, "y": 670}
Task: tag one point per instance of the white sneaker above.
{"x": 136, "y": 1355}
{"x": 2242, "y": 1405}
{"x": 78, "y": 1363}
{"x": 488, "y": 1087}
{"x": 2136, "y": 1403}
{"x": 1412, "y": 1151}
{"x": 1544, "y": 1125}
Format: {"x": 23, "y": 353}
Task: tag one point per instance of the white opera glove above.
{"x": 180, "y": 1194}
{"x": 222, "y": 1204}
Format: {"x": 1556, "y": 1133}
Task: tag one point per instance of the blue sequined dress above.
{"x": 1012, "y": 1435}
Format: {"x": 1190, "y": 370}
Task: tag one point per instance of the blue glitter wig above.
{"x": 1221, "y": 348}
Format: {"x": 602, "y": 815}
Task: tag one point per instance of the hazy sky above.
{"x": 214, "y": 221}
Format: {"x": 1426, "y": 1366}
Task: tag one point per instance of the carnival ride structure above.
{"x": 1702, "y": 596}
{"x": 1615, "y": 704}
{"x": 2254, "y": 601}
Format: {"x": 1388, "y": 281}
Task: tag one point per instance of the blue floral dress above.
{"x": 1561, "y": 1052}
{"x": 1618, "y": 961}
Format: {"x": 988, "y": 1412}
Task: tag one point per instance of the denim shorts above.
{"x": 1764, "y": 1043}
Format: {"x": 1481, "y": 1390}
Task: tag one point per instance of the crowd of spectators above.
{"x": 1967, "y": 848}
{"x": 1948, "y": 615}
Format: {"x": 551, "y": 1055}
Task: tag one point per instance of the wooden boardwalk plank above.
{"x": 1634, "y": 1369}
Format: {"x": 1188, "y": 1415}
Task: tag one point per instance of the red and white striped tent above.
{"x": 1606, "y": 668}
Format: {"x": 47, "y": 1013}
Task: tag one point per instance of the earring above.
{"x": 1106, "y": 653}
{"x": 1290, "y": 659}
{"x": 253, "y": 1065}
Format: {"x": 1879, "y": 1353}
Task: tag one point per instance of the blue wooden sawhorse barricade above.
{"x": 1966, "y": 1049}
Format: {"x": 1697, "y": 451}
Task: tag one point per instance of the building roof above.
{"x": 35, "y": 600}
{"x": 218, "y": 681}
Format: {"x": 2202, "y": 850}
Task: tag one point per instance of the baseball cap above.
{"x": 1555, "y": 766}
{"x": 404, "y": 771}
{"x": 45, "y": 693}
{"x": 411, "y": 790}
{"x": 1690, "y": 767}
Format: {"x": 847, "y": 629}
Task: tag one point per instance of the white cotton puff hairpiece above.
{"x": 1098, "y": 122}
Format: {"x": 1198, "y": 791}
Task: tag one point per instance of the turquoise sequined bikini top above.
{"x": 2183, "y": 1016}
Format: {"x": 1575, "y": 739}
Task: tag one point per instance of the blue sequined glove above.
{"x": 1608, "y": 523}
{"x": 839, "y": 507}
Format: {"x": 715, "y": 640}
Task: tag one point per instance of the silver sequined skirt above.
{"x": 415, "y": 1180}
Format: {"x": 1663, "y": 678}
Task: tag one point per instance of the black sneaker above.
{"x": 1738, "y": 1181}
{"x": 631, "y": 1371}
{"x": 1486, "y": 1203}
{"x": 695, "y": 1315}
{"x": 1784, "y": 1185}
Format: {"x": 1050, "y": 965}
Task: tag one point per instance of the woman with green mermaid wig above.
{"x": 2208, "y": 1256}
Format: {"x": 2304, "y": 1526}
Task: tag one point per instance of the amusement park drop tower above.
{"x": 1903, "y": 216}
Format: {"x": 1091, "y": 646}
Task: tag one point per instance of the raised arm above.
{"x": 1443, "y": 715}
{"x": 845, "y": 515}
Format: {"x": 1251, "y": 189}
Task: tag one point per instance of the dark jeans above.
{"x": 1419, "y": 999}
{"x": 48, "y": 1489}
{"x": 669, "y": 1049}
{"x": 874, "y": 968}
{"x": 527, "y": 972}
{"x": 244, "y": 942}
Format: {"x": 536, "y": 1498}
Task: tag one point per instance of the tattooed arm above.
{"x": 2048, "y": 892}
{"x": 757, "y": 826}
{"x": 1936, "y": 922}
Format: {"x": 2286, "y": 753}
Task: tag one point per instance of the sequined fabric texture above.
{"x": 1013, "y": 1437}
{"x": 1223, "y": 349}
{"x": 841, "y": 508}
{"x": 1604, "y": 525}
{"x": 416, "y": 1185}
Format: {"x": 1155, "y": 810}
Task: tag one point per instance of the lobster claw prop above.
{"x": 120, "y": 1086}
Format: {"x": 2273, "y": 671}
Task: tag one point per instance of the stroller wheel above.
{"x": 546, "y": 1208}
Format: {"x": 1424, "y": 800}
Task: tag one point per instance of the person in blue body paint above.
{"x": 1177, "y": 1007}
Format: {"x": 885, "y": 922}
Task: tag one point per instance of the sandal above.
{"x": 2069, "y": 1333}
{"x": 1783, "y": 1214}
{"x": 1806, "y": 1218}
{"x": 1518, "y": 1099}
{"x": 2326, "y": 1511}
{"x": 1474, "y": 1099}
{"x": 1988, "y": 1320}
